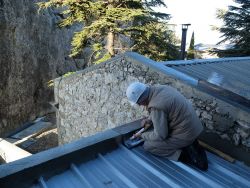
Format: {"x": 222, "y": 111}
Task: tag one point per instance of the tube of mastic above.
{"x": 139, "y": 132}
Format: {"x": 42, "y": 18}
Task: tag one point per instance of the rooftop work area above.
{"x": 136, "y": 168}
{"x": 124, "y": 93}
{"x": 102, "y": 161}
{"x": 92, "y": 104}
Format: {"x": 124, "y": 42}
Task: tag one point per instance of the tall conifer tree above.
{"x": 191, "y": 51}
{"x": 104, "y": 20}
{"x": 236, "y": 29}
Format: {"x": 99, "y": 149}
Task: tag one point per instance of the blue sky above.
{"x": 201, "y": 14}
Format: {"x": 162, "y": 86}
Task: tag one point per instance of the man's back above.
{"x": 183, "y": 122}
{"x": 176, "y": 125}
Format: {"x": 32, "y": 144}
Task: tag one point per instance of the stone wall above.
{"x": 229, "y": 122}
{"x": 33, "y": 51}
{"x": 94, "y": 100}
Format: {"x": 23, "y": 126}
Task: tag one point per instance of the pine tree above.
{"x": 104, "y": 20}
{"x": 191, "y": 51}
{"x": 236, "y": 29}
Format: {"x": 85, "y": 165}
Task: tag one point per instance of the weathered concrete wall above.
{"x": 33, "y": 51}
{"x": 94, "y": 100}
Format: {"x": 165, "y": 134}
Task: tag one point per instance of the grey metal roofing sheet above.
{"x": 137, "y": 168}
{"x": 232, "y": 74}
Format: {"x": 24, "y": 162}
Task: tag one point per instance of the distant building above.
{"x": 202, "y": 51}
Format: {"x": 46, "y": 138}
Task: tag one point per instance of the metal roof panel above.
{"x": 232, "y": 74}
{"x": 136, "y": 168}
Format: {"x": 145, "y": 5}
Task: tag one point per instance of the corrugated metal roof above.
{"x": 232, "y": 74}
{"x": 137, "y": 168}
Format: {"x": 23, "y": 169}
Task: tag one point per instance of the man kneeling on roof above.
{"x": 174, "y": 121}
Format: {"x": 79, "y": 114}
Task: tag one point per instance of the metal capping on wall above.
{"x": 232, "y": 74}
{"x": 136, "y": 168}
{"x": 218, "y": 84}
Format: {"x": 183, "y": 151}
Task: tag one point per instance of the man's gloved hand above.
{"x": 146, "y": 123}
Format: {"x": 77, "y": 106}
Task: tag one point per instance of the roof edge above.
{"x": 211, "y": 60}
{"x": 161, "y": 68}
{"x": 48, "y": 156}
{"x": 225, "y": 95}
{"x": 91, "y": 68}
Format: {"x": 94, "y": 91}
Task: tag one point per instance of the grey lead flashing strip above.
{"x": 162, "y": 68}
{"x": 216, "y": 91}
{"x": 201, "y": 61}
{"x": 224, "y": 94}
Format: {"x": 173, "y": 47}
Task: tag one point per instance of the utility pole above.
{"x": 183, "y": 40}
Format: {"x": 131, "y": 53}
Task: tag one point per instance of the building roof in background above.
{"x": 232, "y": 74}
{"x": 205, "y": 47}
{"x": 136, "y": 168}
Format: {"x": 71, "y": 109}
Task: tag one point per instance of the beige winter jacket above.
{"x": 175, "y": 122}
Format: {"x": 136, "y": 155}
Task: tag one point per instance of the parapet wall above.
{"x": 94, "y": 100}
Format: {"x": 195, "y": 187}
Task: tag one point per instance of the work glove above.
{"x": 146, "y": 123}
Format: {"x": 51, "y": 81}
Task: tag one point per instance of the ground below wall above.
{"x": 44, "y": 141}
{"x": 39, "y": 136}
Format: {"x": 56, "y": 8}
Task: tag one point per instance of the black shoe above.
{"x": 195, "y": 155}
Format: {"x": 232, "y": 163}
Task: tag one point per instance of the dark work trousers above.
{"x": 194, "y": 155}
